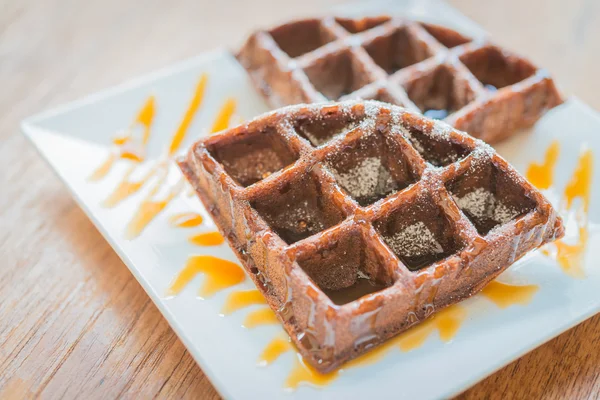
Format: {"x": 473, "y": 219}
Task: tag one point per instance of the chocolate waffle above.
{"x": 475, "y": 86}
{"x": 357, "y": 220}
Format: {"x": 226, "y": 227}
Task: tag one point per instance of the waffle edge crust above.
{"x": 322, "y": 201}
{"x": 474, "y": 85}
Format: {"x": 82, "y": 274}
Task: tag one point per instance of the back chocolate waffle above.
{"x": 357, "y": 220}
{"x": 474, "y": 86}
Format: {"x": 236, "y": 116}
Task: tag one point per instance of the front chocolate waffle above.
{"x": 357, "y": 220}
{"x": 475, "y": 86}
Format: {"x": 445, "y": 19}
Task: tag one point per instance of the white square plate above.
{"x": 75, "y": 140}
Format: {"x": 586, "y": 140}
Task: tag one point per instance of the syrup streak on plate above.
{"x": 103, "y": 169}
{"x": 186, "y": 220}
{"x": 127, "y": 187}
{"x": 569, "y": 252}
{"x": 189, "y": 115}
{"x": 207, "y": 239}
{"x": 151, "y": 207}
{"x": 542, "y": 175}
{"x": 224, "y": 117}
{"x": 127, "y": 144}
{"x": 504, "y": 295}
{"x": 242, "y": 299}
{"x": 262, "y": 316}
{"x": 277, "y": 347}
{"x": 219, "y": 274}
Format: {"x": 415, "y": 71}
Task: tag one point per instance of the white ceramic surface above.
{"x": 75, "y": 140}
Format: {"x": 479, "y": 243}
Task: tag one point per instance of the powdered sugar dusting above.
{"x": 503, "y": 213}
{"x": 367, "y": 179}
{"x": 414, "y": 241}
{"x": 328, "y": 123}
{"x": 441, "y": 130}
{"x": 481, "y": 203}
{"x": 482, "y": 154}
{"x": 397, "y": 126}
{"x": 475, "y": 202}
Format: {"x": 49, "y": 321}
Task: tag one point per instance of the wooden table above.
{"x": 73, "y": 320}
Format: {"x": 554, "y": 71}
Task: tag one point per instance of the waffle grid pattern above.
{"x": 301, "y": 232}
{"x": 475, "y": 86}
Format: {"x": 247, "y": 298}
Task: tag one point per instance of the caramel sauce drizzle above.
{"x": 542, "y": 175}
{"x": 275, "y": 349}
{"x": 127, "y": 187}
{"x": 447, "y": 322}
{"x": 131, "y": 156}
{"x": 128, "y": 146}
{"x": 504, "y": 295}
{"x": 219, "y": 274}
{"x": 260, "y": 317}
{"x": 134, "y": 152}
{"x": 207, "y": 239}
{"x": 580, "y": 184}
{"x": 570, "y": 255}
{"x": 150, "y": 208}
{"x": 304, "y": 373}
{"x": 188, "y": 117}
{"x": 121, "y": 138}
{"x": 224, "y": 116}
{"x": 242, "y": 299}
{"x": 186, "y": 220}
{"x": 145, "y": 118}
{"x": 104, "y": 168}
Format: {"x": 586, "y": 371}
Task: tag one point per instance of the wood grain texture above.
{"x": 74, "y": 323}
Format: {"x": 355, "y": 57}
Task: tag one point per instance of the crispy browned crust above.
{"x": 414, "y": 65}
{"x": 250, "y": 212}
